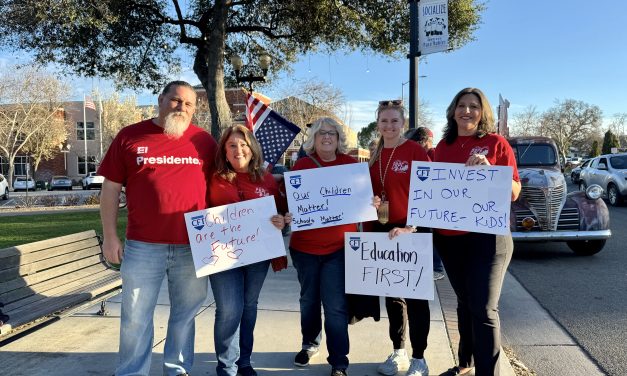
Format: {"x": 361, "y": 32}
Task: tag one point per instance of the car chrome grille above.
{"x": 546, "y": 204}
{"x": 568, "y": 220}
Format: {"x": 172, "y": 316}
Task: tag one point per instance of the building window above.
{"x": 4, "y": 166}
{"x": 19, "y": 165}
{"x": 91, "y": 164}
{"x": 91, "y": 133}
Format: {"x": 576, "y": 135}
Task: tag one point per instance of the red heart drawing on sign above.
{"x": 235, "y": 254}
{"x": 211, "y": 260}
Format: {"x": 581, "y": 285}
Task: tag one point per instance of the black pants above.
{"x": 476, "y": 265}
{"x": 401, "y": 311}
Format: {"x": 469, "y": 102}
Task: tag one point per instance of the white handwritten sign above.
{"x": 453, "y": 196}
{"x": 230, "y": 236}
{"x": 330, "y": 196}
{"x": 401, "y": 267}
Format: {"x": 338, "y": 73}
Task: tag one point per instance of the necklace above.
{"x": 383, "y": 174}
{"x": 465, "y": 142}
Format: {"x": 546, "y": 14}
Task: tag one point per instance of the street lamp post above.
{"x": 403, "y": 90}
{"x": 414, "y": 55}
{"x": 65, "y": 149}
{"x": 264, "y": 63}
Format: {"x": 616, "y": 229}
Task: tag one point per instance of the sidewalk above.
{"x": 86, "y": 344}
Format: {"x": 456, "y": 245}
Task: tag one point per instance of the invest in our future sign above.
{"x": 458, "y": 197}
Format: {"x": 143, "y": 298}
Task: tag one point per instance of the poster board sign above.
{"x": 234, "y": 235}
{"x": 432, "y": 26}
{"x": 400, "y": 267}
{"x": 330, "y": 196}
{"x": 457, "y": 197}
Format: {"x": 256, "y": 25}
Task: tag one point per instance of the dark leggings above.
{"x": 400, "y": 311}
{"x": 476, "y": 265}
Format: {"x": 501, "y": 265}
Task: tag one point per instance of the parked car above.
{"x": 21, "y": 184}
{"x": 93, "y": 180}
{"x": 576, "y": 172}
{"x": 545, "y": 211}
{"x": 60, "y": 182}
{"x": 610, "y": 172}
{"x": 4, "y": 187}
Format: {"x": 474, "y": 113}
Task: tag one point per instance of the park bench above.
{"x": 49, "y": 279}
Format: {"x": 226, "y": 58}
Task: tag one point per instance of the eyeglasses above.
{"x": 327, "y": 133}
{"x": 395, "y": 102}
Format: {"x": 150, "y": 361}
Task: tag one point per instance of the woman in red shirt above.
{"x": 239, "y": 176}
{"x": 390, "y": 169}
{"x": 475, "y": 263}
{"x": 318, "y": 256}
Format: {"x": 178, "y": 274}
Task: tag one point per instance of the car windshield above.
{"x": 535, "y": 155}
{"x": 619, "y": 162}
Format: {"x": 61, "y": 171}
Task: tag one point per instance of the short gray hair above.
{"x": 310, "y": 145}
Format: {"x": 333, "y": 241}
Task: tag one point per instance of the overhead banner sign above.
{"x": 457, "y": 197}
{"x": 401, "y": 267}
{"x": 229, "y": 236}
{"x": 330, "y": 196}
{"x": 432, "y": 26}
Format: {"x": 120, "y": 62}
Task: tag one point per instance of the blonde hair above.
{"x": 382, "y": 107}
{"x": 224, "y": 168}
{"x": 310, "y": 145}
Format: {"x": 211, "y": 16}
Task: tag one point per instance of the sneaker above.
{"x": 339, "y": 372}
{"x": 397, "y": 360}
{"x": 437, "y": 276}
{"x": 418, "y": 367}
{"x": 246, "y": 371}
{"x": 304, "y": 356}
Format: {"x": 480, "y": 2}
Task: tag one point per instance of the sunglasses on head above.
{"x": 395, "y": 102}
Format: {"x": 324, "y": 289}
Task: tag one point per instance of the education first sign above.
{"x": 457, "y": 197}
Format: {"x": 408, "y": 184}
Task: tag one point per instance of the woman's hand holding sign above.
{"x": 477, "y": 159}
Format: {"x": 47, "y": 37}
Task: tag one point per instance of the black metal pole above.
{"x": 414, "y": 56}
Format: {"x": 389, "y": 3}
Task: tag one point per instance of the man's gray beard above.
{"x": 175, "y": 125}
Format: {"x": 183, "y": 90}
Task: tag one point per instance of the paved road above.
{"x": 586, "y": 295}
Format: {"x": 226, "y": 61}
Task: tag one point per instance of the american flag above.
{"x": 89, "y": 103}
{"x": 273, "y": 131}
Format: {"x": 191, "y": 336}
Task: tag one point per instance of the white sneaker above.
{"x": 397, "y": 360}
{"x": 418, "y": 367}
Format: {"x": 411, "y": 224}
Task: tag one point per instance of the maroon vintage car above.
{"x": 545, "y": 211}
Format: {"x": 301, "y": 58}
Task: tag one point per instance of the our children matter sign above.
{"x": 230, "y": 236}
{"x": 329, "y": 196}
{"x": 400, "y": 267}
{"x": 457, "y": 197}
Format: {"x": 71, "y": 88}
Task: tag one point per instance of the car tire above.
{"x": 614, "y": 196}
{"x": 572, "y": 178}
{"x": 582, "y": 186}
{"x": 5, "y": 196}
{"x": 586, "y": 247}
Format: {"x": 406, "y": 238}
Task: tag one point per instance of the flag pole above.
{"x": 100, "y": 122}
{"x": 85, "y": 134}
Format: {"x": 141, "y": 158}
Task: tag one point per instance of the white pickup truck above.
{"x": 93, "y": 180}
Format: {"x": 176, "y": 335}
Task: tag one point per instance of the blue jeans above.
{"x": 144, "y": 267}
{"x": 322, "y": 283}
{"x": 236, "y": 292}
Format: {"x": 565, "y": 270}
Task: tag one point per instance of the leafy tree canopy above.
{"x": 136, "y": 42}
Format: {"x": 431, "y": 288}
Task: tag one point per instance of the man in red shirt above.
{"x": 165, "y": 164}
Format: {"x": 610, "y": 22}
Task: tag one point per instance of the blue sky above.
{"x": 532, "y": 52}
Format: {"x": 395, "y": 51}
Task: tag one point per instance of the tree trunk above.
{"x": 209, "y": 67}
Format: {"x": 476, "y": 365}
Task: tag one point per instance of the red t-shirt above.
{"x": 321, "y": 241}
{"x": 222, "y": 192}
{"x": 431, "y": 154}
{"x": 397, "y": 177}
{"x": 164, "y": 178}
{"x": 495, "y": 147}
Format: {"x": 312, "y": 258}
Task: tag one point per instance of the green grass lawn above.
{"x": 21, "y": 229}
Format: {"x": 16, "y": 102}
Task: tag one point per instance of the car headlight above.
{"x": 594, "y": 192}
